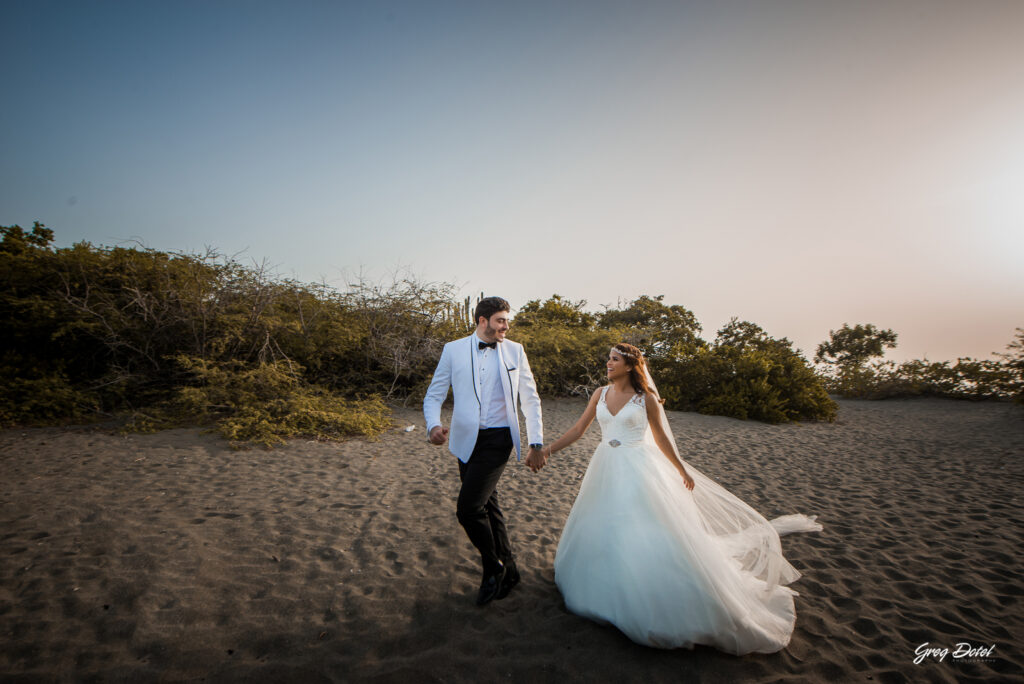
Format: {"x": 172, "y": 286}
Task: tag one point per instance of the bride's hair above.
{"x": 636, "y": 363}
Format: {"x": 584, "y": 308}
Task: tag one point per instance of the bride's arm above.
{"x": 662, "y": 440}
{"x": 577, "y": 430}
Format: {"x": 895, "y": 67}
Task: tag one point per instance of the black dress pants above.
{"x": 477, "y": 509}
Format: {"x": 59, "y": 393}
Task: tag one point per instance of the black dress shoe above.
{"x": 490, "y": 587}
{"x": 511, "y": 580}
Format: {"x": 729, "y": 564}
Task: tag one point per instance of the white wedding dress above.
{"x": 668, "y": 566}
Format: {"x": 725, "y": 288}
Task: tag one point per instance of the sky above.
{"x": 798, "y": 164}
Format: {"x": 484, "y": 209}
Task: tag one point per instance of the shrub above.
{"x": 170, "y": 338}
{"x": 1012, "y": 383}
{"x": 567, "y": 352}
{"x": 262, "y": 404}
{"x": 89, "y": 332}
{"x": 31, "y": 398}
{"x": 656, "y": 328}
{"x": 852, "y": 376}
{"x": 746, "y": 374}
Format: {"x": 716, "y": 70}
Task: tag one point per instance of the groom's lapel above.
{"x": 506, "y": 380}
{"x": 472, "y": 366}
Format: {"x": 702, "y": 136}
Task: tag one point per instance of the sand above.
{"x": 170, "y": 557}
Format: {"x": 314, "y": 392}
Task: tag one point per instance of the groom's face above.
{"x": 495, "y": 327}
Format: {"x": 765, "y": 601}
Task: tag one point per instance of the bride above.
{"x": 657, "y": 548}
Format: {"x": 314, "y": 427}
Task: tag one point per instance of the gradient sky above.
{"x": 799, "y": 164}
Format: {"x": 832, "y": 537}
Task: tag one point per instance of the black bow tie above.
{"x": 492, "y": 345}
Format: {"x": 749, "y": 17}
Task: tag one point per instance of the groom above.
{"x": 487, "y": 374}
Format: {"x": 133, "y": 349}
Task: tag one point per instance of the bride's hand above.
{"x": 687, "y": 480}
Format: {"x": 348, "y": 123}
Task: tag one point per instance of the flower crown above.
{"x": 623, "y": 353}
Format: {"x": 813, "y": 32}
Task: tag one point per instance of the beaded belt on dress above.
{"x": 626, "y": 442}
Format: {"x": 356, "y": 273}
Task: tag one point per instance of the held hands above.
{"x": 438, "y": 435}
{"x": 536, "y": 459}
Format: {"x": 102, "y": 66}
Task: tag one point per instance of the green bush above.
{"x": 1011, "y": 383}
{"x": 567, "y": 352}
{"x": 29, "y": 398}
{"x": 93, "y": 332}
{"x": 847, "y": 371}
{"x": 262, "y": 404}
{"x": 746, "y": 374}
{"x": 655, "y": 327}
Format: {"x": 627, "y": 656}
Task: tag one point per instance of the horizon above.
{"x": 799, "y": 165}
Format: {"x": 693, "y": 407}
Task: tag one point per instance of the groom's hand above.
{"x": 438, "y": 435}
{"x": 536, "y": 459}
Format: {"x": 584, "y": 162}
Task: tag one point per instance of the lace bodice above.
{"x": 625, "y": 428}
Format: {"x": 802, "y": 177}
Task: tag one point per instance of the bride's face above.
{"x": 616, "y": 366}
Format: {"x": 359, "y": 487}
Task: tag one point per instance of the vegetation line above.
{"x": 160, "y": 339}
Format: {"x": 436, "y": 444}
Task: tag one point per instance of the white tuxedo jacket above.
{"x": 457, "y": 369}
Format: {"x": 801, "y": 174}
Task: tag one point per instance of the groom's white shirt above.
{"x": 458, "y": 369}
